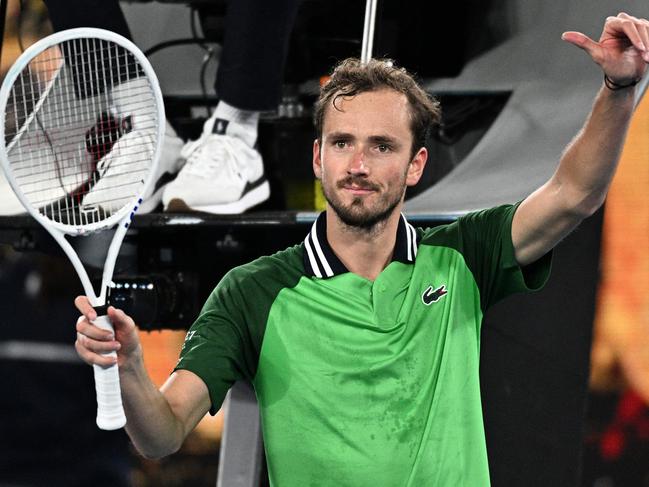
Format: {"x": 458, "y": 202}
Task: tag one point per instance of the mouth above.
{"x": 357, "y": 188}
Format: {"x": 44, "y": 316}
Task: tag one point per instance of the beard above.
{"x": 358, "y": 214}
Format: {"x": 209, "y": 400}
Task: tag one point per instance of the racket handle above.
{"x": 110, "y": 412}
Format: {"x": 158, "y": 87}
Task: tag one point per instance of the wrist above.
{"x": 615, "y": 86}
{"x": 133, "y": 362}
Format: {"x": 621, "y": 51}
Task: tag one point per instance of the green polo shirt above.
{"x": 359, "y": 382}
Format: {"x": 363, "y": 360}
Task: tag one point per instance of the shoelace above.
{"x": 210, "y": 155}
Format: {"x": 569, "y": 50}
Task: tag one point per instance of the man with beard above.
{"x": 362, "y": 342}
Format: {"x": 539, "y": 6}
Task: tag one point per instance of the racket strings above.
{"x": 42, "y": 183}
{"x": 57, "y": 113}
{"x": 81, "y": 130}
{"x": 70, "y": 147}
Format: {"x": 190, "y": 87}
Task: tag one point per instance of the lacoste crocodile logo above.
{"x": 431, "y": 295}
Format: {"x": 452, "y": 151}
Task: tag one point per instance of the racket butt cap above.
{"x": 111, "y": 424}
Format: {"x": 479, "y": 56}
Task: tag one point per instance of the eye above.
{"x": 383, "y": 148}
{"x": 340, "y": 144}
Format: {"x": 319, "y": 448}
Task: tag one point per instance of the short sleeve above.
{"x": 486, "y": 244}
{"x": 224, "y": 343}
{"x": 217, "y": 347}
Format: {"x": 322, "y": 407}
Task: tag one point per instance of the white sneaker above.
{"x": 115, "y": 180}
{"x": 40, "y": 145}
{"x": 222, "y": 175}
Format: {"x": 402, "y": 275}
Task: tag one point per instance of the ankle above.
{"x": 229, "y": 120}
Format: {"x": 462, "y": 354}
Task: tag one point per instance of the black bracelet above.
{"x": 613, "y": 86}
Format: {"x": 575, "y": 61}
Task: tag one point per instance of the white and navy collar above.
{"x": 321, "y": 261}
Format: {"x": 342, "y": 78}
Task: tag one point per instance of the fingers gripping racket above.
{"x": 81, "y": 133}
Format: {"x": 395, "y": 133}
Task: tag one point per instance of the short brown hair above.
{"x": 351, "y": 77}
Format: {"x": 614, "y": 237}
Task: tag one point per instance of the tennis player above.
{"x": 362, "y": 342}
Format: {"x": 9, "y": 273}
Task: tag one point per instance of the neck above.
{"x": 365, "y": 252}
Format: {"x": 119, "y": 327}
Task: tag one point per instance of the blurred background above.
{"x": 565, "y": 374}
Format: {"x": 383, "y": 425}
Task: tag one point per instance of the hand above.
{"x": 622, "y": 50}
{"x": 93, "y": 341}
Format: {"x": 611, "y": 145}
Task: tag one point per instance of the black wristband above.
{"x": 613, "y": 86}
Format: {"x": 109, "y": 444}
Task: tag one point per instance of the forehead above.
{"x": 382, "y": 111}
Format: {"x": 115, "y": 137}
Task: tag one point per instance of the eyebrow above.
{"x": 339, "y": 136}
{"x": 384, "y": 139}
{"x": 375, "y": 139}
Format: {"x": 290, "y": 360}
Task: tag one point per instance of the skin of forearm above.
{"x": 151, "y": 424}
{"x": 579, "y": 185}
{"x": 589, "y": 163}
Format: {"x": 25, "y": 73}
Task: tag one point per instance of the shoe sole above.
{"x": 253, "y": 197}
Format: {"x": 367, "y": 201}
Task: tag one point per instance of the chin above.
{"x": 362, "y": 217}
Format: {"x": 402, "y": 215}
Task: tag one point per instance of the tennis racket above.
{"x": 81, "y": 134}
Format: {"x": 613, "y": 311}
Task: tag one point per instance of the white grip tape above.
{"x": 110, "y": 412}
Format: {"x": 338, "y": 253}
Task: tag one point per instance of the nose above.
{"x": 358, "y": 164}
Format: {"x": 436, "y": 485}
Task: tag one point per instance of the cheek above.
{"x": 323, "y": 171}
{"x": 330, "y": 166}
{"x": 396, "y": 181}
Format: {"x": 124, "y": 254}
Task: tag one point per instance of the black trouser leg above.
{"x": 255, "y": 47}
{"x": 102, "y": 14}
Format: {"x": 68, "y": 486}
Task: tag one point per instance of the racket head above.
{"x": 82, "y": 129}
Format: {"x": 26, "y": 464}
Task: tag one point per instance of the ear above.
{"x": 317, "y": 161}
{"x": 416, "y": 167}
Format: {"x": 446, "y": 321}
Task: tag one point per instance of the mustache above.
{"x": 359, "y": 182}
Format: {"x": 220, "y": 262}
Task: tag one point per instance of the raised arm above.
{"x": 579, "y": 185}
{"x": 158, "y": 421}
